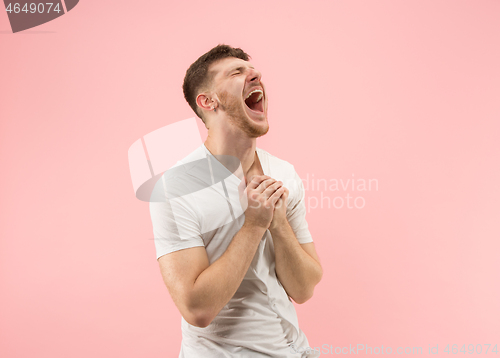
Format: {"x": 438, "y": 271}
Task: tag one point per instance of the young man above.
{"x": 231, "y": 238}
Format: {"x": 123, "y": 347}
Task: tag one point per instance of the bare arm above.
{"x": 200, "y": 290}
{"x": 297, "y": 265}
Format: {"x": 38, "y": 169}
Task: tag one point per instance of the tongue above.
{"x": 251, "y": 101}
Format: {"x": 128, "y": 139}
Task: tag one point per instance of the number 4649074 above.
{"x": 33, "y": 8}
{"x": 471, "y": 349}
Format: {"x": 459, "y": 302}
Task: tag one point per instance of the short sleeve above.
{"x": 175, "y": 224}
{"x": 296, "y": 210}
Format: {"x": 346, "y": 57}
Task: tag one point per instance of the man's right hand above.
{"x": 261, "y": 193}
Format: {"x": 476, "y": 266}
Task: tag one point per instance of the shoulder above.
{"x": 197, "y": 154}
{"x": 182, "y": 178}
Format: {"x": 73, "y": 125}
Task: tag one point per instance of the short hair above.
{"x": 198, "y": 77}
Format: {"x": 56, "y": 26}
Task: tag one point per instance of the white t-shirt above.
{"x": 196, "y": 203}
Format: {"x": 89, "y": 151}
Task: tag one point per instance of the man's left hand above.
{"x": 279, "y": 216}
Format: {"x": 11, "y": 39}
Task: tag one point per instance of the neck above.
{"x": 236, "y": 144}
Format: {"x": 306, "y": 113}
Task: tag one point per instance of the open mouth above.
{"x": 254, "y": 100}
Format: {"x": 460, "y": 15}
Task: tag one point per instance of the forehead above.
{"x": 221, "y": 67}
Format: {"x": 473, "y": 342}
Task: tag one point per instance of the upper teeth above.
{"x": 256, "y": 90}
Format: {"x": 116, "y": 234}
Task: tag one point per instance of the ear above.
{"x": 207, "y": 101}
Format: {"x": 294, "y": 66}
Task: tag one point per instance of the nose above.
{"x": 254, "y": 75}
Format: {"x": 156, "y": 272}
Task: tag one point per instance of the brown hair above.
{"x": 199, "y": 78}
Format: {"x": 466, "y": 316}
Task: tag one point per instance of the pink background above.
{"x": 404, "y": 92}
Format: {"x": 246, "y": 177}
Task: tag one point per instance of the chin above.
{"x": 258, "y": 130}
{"x": 253, "y": 123}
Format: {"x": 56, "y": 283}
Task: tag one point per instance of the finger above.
{"x": 286, "y": 193}
{"x": 280, "y": 202}
{"x": 256, "y": 180}
{"x": 265, "y": 184}
{"x": 272, "y": 188}
{"x": 275, "y": 196}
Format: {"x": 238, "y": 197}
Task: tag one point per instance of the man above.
{"x": 231, "y": 272}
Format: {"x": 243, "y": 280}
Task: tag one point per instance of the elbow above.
{"x": 319, "y": 274}
{"x": 304, "y": 297}
{"x": 196, "y": 309}
{"x": 307, "y": 293}
{"x": 198, "y": 319}
{"x": 198, "y": 315}
{"x": 300, "y": 300}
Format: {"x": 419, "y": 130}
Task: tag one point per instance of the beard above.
{"x": 233, "y": 107}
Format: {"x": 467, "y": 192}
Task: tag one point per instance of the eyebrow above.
{"x": 239, "y": 68}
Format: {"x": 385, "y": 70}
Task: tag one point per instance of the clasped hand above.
{"x": 267, "y": 201}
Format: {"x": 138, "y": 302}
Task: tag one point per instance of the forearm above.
{"x": 215, "y": 286}
{"x": 297, "y": 271}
